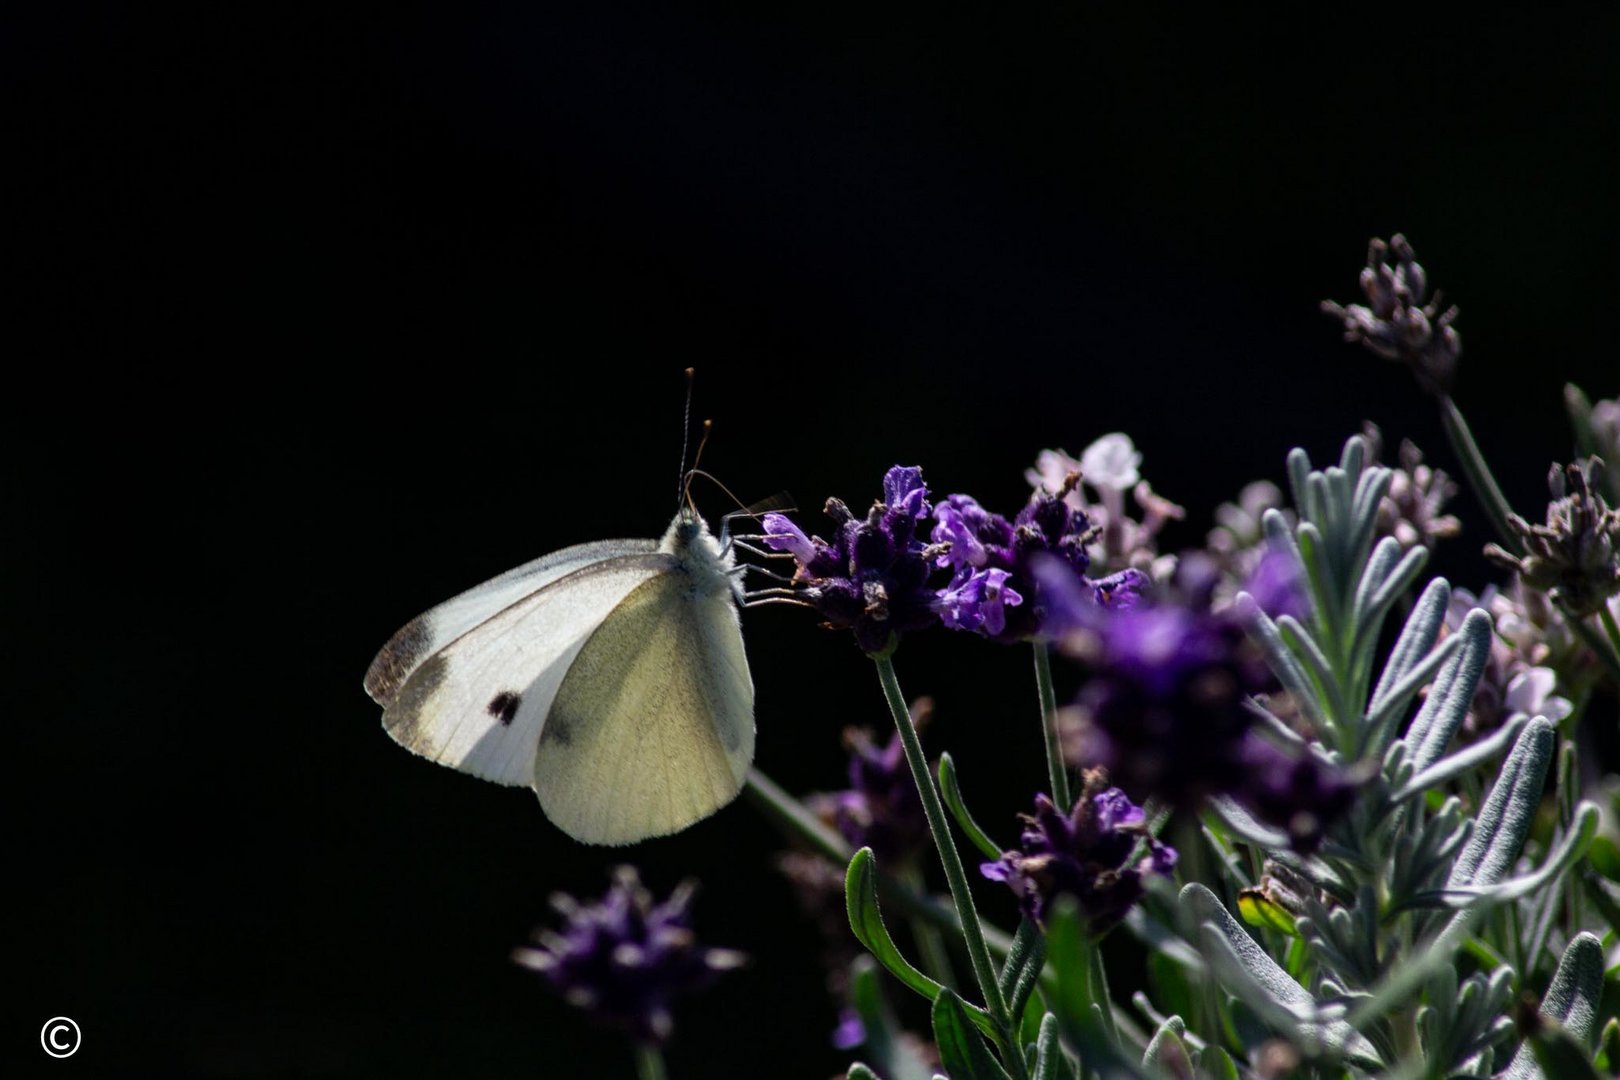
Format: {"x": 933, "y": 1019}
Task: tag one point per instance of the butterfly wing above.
{"x": 652, "y": 728}
{"x": 478, "y": 701}
{"x": 430, "y": 633}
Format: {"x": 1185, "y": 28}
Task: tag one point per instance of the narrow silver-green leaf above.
{"x": 1572, "y": 1000}
{"x": 1068, "y": 989}
{"x": 1282, "y": 660}
{"x": 1460, "y": 762}
{"x": 1504, "y": 821}
{"x": 1415, "y": 640}
{"x": 1264, "y": 986}
{"x": 1048, "y": 1054}
{"x": 951, "y": 792}
{"x": 1380, "y": 726}
{"x": 1238, "y": 819}
{"x": 1451, "y": 694}
{"x": 857, "y": 1071}
{"x": 961, "y": 1049}
{"x": 1167, "y": 1053}
{"x": 1217, "y": 1064}
{"x": 1023, "y": 966}
{"x": 865, "y": 919}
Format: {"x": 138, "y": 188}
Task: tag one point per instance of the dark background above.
{"x": 328, "y": 312}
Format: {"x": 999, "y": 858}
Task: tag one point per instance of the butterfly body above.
{"x": 609, "y": 676}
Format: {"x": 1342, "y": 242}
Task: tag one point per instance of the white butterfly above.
{"x": 609, "y": 676}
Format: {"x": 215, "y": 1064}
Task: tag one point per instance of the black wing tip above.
{"x": 396, "y": 660}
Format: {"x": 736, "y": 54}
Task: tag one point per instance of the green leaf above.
{"x": 1248, "y": 972}
{"x": 1023, "y": 967}
{"x": 883, "y": 1044}
{"x": 1451, "y": 694}
{"x": 1217, "y": 1064}
{"x": 860, "y": 894}
{"x": 857, "y": 1071}
{"x": 1504, "y": 821}
{"x": 1258, "y": 909}
{"x": 1571, "y": 1003}
{"x": 961, "y": 1049}
{"x": 1608, "y": 1055}
{"x": 1604, "y": 857}
{"x": 1048, "y": 1054}
{"x": 1560, "y": 1056}
{"x": 1167, "y": 1053}
{"x": 1413, "y": 644}
{"x": 1069, "y": 994}
{"x": 952, "y": 794}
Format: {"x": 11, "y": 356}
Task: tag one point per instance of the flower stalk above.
{"x": 1057, "y": 772}
{"x": 984, "y": 970}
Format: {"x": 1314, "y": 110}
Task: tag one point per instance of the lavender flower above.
{"x": 1301, "y": 793}
{"x": 1399, "y": 321}
{"x": 1163, "y": 709}
{"x": 624, "y": 958}
{"x": 1575, "y": 556}
{"x": 874, "y": 577}
{"x": 1166, "y": 710}
{"x": 1109, "y": 467}
{"x": 880, "y": 809}
{"x": 992, "y": 590}
{"x": 1090, "y": 854}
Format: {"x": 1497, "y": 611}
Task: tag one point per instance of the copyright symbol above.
{"x": 59, "y": 1037}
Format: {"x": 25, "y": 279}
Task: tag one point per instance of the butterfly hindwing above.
{"x": 653, "y": 727}
{"x": 478, "y": 703}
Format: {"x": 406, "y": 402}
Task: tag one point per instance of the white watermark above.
{"x": 59, "y": 1037}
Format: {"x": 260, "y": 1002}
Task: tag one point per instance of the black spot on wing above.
{"x": 504, "y": 706}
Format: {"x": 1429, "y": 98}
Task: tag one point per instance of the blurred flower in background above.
{"x": 623, "y": 958}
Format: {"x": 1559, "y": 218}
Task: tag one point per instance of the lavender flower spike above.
{"x": 1089, "y": 854}
{"x": 873, "y": 577}
{"x": 624, "y": 958}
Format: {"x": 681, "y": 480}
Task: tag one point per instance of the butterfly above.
{"x": 609, "y": 676}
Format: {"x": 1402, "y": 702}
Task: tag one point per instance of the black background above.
{"x": 327, "y": 312}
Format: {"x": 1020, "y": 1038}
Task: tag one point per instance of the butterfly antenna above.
{"x": 683, "y": 482}
{"x": 686, "y": 494}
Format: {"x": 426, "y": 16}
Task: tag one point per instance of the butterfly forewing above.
{"x": 429, "y": 633}
{"x": 653, "y": 727}
{"x": 477, "y": 703}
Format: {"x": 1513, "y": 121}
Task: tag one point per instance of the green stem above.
{"x": 1479, "y": 474}
{"x": 1608, "y": 657}
{"x": 1606, "y": 617}
{"x": 649, "y": 1062}
{"x": 792, "y": 818}
{"x": 935, "y": 961}
{"x": 1057, "y": 773}
{"x": 984, "y": 969}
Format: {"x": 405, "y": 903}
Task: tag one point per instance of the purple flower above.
{"x": 993, "y": 562}
{"x": 1165, "y": 710}
{"x": 1303, "y": 794}
{"x": 624, "y": 958}
{"x": 881, "y": 809}
{"x": 873, "y": 577}
{"x": 979, "y": 602}
{"x": 1097, "y": 853}
{"x": 1277, "y": 584}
